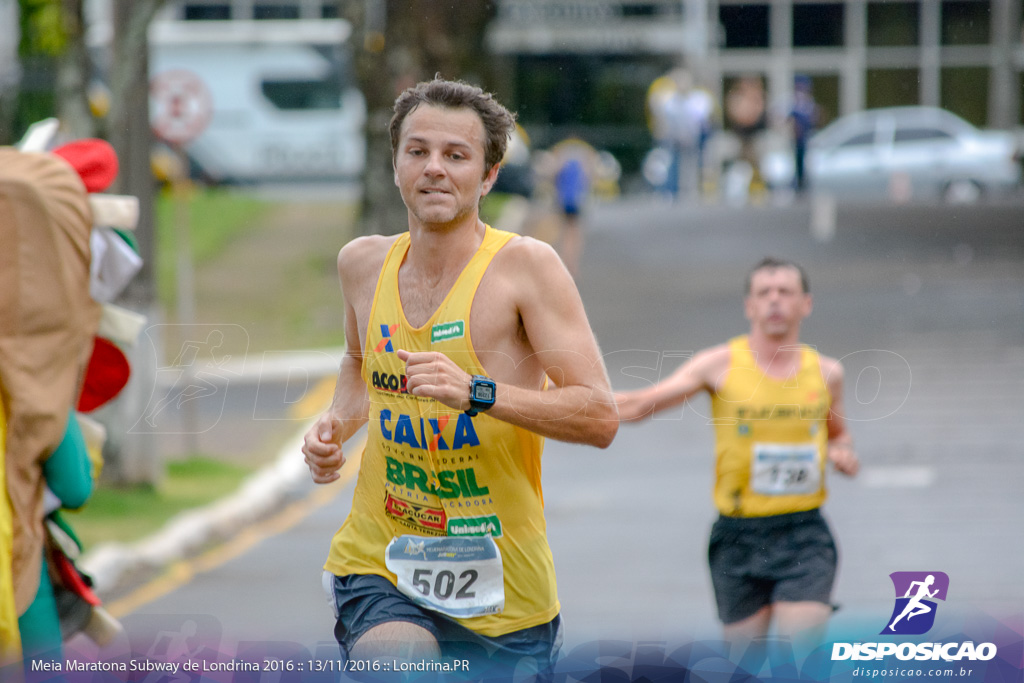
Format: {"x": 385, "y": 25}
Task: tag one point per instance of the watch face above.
{"x": 484, "y": 392}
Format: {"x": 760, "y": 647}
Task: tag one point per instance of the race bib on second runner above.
{"x": 782, "y": 469}
{"x": 456, "y": 575}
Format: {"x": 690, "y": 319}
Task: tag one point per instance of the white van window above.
{"x": 207, "y": 12}
{"x": 265, "y": 11}
{"x": 293, "y": 95}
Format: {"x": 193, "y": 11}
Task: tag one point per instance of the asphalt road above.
{"x": 924, "y": 304}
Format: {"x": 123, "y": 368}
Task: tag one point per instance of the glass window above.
{"x": 966, "y": 22}
{"x": 892, "y": 88}
{"x": 207, "y": 12}
{"x": 860, "y": 139}
{"x": 744, "y": 25}
{"x": 818, "y": 25}
{"x": 964, "y": 91}
{"x": 275, "y": 12}
{"x": 303, "y": 94}
{"x": 329, "y": 10}
{"x": 641, "y": 10}
{"x": 893, "y": 24}
{"x": 920, "y": 134}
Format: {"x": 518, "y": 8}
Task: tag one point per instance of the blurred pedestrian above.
{"x": 575, "y": 167}
{"x": 516, "y": 175}
{"x": 681, "y": 115}
{"x": 803, "y": 118}
{"x": 777, "y": 408}
{"x": 746, "y": 115}
{"x": 516, "y": 182}
{"x": 466, "y": 346}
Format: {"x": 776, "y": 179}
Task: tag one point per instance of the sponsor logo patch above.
{"x": 425, "y": 520}
{"x": 445, "y": 331}
{"x": 487, "y": 525}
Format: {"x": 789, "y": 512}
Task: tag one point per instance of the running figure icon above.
{"x": 917, "y": 595}
{"x": 916, "y": 607}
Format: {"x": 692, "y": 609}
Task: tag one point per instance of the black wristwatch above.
{"x": 481, "y": 394}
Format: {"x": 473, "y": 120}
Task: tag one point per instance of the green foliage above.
{"x": 268, "y": 266}
{"x": 42, "y": 28}
{"x": 33, "y": 106}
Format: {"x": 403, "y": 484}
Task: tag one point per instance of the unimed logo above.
{"x": 916, "y": 593}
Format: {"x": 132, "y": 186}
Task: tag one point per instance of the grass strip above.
{"x": 124, "y": 514}
{"x": 215, "y": 218}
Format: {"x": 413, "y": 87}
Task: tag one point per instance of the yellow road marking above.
{"x": 316, "y": 400}
{"x": 180, "y": 573}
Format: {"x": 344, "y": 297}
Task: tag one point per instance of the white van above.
{"x": 279, "y": 98}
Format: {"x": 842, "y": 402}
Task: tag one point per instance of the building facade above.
{"x": 574, "y": 63}
{"x": 583, "y": 66}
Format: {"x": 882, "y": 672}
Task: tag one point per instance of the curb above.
{"x": 187, "y": 533}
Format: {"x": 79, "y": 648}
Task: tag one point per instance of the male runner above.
{"x": 466, "y": 346}
{"x": 778, "y": 414}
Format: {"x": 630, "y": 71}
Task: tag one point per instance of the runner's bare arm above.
{"x": 579, "y": 408}
{"x": 840, "y": 444}
{"x": 700, "y": 373}
{"x": 350, "y": 406}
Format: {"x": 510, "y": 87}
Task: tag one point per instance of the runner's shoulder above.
{"x": 525, "y": 248}
{"x": 364, "y": 255}
{"x": 717, "y": 356}
{"x": 831, "y": 369}
{"x": 529, "y": 256}
{"x": 711, "y": 364}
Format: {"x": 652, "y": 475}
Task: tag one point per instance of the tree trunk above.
{"x": 397, "y": 43}
{"x": 73, "y": 74}
{"x": 131, "y": 455}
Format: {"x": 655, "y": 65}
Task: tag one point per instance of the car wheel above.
{"x": 962, "y": 191}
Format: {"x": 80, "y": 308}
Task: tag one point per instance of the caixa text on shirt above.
{"x": 428, "y": 433}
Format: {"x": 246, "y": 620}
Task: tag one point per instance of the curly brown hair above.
{"x": 498, "y": 121}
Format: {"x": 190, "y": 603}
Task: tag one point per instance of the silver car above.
{"x": 911, "y": 153}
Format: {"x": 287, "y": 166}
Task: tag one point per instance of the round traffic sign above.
{"x": 181, "y": 106}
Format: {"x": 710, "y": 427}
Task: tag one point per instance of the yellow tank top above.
{"x": 771, "y": 437}
{"x": 10, "y": 637}
{"x": 428, "y": 470}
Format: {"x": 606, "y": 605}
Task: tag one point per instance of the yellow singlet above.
{"x": 429, "y": 471}
{"x": 10, "y": 637}
{"x": 771, "y": 437}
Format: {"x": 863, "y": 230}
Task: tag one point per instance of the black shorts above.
{"x": 361, "y": 602}
{"x": 758, "y": 561}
